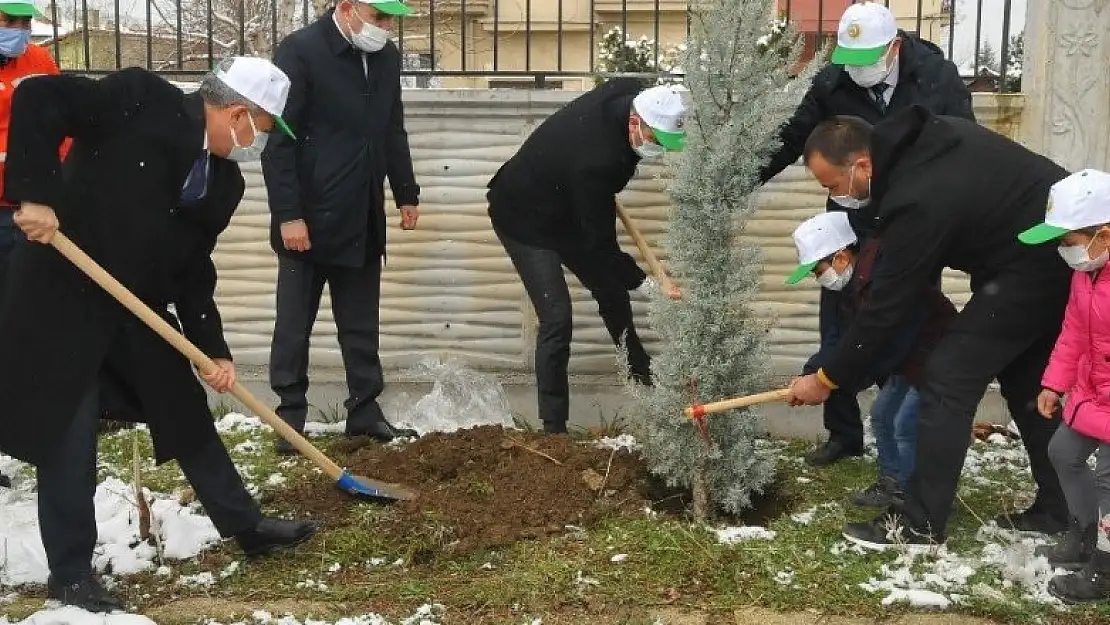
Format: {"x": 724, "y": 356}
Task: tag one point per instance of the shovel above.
{"x": 645, "y": 250}
{"x": 345, "y": 481}
{"x": 698, "y": 411}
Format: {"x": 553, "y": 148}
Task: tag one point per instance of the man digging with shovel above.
{"x": 149, "y": 183}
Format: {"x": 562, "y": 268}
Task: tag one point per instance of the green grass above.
{"x": 670, "y": 562}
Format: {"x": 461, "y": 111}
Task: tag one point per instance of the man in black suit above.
{"x": 877, "y": 70}
{"x": 327, "y": 202}
{"x": 149, "y": 183}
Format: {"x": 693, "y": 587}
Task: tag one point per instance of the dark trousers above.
{"x": 67, "y": 484}
{"x": 355, "y": 293}
{"x": 541, "y": 271}
{"x": 957, "y": 375}
{"x": 841, "y": 411}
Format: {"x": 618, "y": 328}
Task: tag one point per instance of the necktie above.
{"x": 196, "y": 184}
{"x": 879, "y": 91}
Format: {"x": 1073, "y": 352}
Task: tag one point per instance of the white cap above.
{"x": 1079, "y": 201}
{"x": 820, "y": 237}
{"x": 865, "y": 31}
{"x": 663, "y": 108}
{"x": 261, "y": 82}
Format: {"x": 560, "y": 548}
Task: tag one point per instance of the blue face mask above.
{"x": 13, "y": 41}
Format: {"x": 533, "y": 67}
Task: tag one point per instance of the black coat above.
{"x": 952, "y": 193}
{"x": 350, "y": 135}
{"x": 925, "y": 78}
{"x": 135, "y": 138}
{"x": 559, "y": 190}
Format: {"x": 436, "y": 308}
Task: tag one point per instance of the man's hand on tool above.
{"x": 37, "y": 221}
{"x": 222, "y": 378}
{"x": 808, "y": 390}
{"x": 294, "y": 234}
{"x": 790, "y": 398}
{"x": 409, "y": 215}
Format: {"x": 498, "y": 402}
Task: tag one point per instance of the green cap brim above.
{"x": 857, "y": 56}
{"x": 673, "y": 141}
{"x": 1041, "y": 234}
{"x": 801, "y": 272}
{"x": 392, "y": 7}
{"x": 282, "y": 126}
{"x": 20, "y": 9}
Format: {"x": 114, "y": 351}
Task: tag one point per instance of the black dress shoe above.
{"x": 273, "y": 534}
{"x": 1033, "y": 520}
{"x": 832, "y": 451}
{"x": 383, "y": 432}
{"x": 86, "y": 594}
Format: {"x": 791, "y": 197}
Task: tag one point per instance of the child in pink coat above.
{"x": 1079, "y": 216}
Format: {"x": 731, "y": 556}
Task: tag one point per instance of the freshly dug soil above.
{"x": 480, "y": 488}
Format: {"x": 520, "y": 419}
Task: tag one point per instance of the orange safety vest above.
{"x": 35, "y": 61}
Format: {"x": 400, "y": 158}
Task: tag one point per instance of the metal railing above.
{"x": 523, "y": 43}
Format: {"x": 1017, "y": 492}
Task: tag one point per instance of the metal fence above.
{"x": 515, "y": 43}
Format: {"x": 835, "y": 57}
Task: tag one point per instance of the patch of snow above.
{"x": 276, "y": 479}
{"x": 70, "y": 615}
{"x": 785, "y": 578}
{"x": 235, "y": 422}
{"x": 733, "y": 535}
{"x": 918, "y": 599}
{"x": 624, "y": 441}
{"x": 620, "y": 557}
{"x": 200, "y": 580}
{"x": 182, "y": 533}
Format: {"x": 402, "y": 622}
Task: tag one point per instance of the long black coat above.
{"x": 350, "y": 129}
{"x": 925, "y": 78}
{"x": 952, "y": 193}
{"x": 559, "y": 190}
{"x": 135, "y": 138}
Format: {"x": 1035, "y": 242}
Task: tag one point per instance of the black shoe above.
{"x": 273, "y": 534}
{"x": 284, "y": 448}
{"x": 1090, "y": 585}
{"x": 1073, "y": 551}
{"x": 5, "y": 481}
{"x": 1032, "y": 520}
{"x": 383, "y": 432}
{"x": 889, "y": 529}
{"x": 879, "y": 495}
{"x": 832, "y": 451}
{"x": 86, "y": 594}
{"x": 643, "y": 378}
{"x": 555, "y": 427}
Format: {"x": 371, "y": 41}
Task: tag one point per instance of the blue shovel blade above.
{"x": 365, "y": 487}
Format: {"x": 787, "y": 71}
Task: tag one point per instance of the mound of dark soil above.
{"x": 487, "y": 487}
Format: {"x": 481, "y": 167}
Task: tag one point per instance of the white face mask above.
{"x": 252, "y": 152}
{"x": 834, "y": 281}
{"x": 369, "y": 37}
{"x": 848, "y": 201}
{"x": 868, "y": 76}
{"x": 1078, "y": 257}
{"x": 647, "y": 150}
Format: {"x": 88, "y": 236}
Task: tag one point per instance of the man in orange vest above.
{"x": 19, "y": 60}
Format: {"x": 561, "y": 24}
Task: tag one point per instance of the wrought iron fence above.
{"x": 508, "y": 43}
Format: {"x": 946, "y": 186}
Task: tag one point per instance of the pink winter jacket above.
{"x": 1080, "y": 362}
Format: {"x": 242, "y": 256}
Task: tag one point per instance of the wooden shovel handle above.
{"x": 645, "y": 250}
{"x": 90, "y": 267}
{"x": 700, "y": 410}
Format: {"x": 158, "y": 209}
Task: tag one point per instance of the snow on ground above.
{"x": 732, "y": 535}
{"x": 427, "y": 614}
{"x": 74, "y": 616}
{"x": 182, "y": 532}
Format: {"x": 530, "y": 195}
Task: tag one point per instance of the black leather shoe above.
{"x": 1032, "y": 520}
{"x": 832, "y": 451}
{"x": 555, "y": 427}
{"x": 383, "y": 432}
{"x": 86, "y": 594}
{"x": 5, "y": 481}
{"x": 273, "y": 534}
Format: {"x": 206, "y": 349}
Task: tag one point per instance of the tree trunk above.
{"x": 700, "y": 488}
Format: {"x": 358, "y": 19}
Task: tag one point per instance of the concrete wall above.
{"x": 448, "y": 287}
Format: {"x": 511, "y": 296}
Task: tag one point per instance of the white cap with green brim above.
{"x": 396, "y": 8}
{"x": 864, "y": 33}
{"x": 820, "y": 237}
{"x": 20, "y": 9}
{"x": 1082, "y": 200}
{"x": 261, "y": 82}
{"x": 663, "y": 109}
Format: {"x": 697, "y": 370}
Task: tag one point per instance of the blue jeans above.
{"x": 894, "y": 421}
